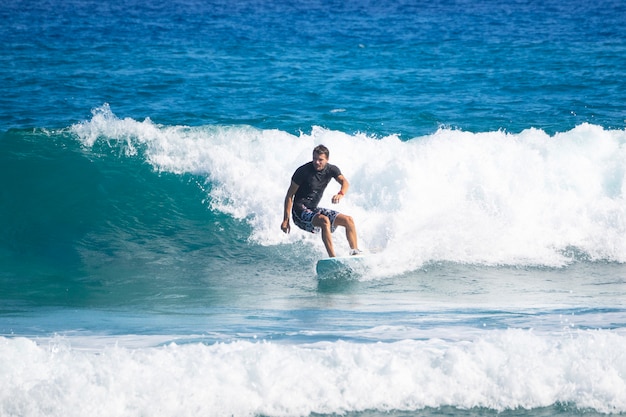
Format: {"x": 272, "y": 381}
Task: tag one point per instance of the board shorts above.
{"x": 304, "y": 218}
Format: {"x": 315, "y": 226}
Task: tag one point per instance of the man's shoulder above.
{"x": 304, "y": 168}
{"x": 302, "y": 171}
{"x": 307, "y": 165}
{"x": 334, "y": 170}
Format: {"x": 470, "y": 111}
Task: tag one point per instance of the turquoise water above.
{"x": 146, "y": 150}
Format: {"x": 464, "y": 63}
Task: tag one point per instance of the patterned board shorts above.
{"x": 304, "y": 219}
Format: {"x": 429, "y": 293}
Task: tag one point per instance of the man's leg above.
{"x": 323, "y": 223}
{"x": 347, "y": 222}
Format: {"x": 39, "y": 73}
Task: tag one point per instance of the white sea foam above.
{"x": 500, "y": 370}
{"x": 487, "y": 198}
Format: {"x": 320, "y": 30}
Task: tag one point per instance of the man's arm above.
{"x": 288, "y": 204}
{"x": 345, "y": 185}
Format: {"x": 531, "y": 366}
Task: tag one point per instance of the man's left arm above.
{"x": 345, "y": 185}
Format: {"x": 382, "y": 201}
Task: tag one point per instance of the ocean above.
{"x": 145, "y": 152}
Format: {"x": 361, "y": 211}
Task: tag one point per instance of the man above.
{"x": 307, "y": 186}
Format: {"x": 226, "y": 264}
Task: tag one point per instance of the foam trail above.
{"x": 485, "y": 198}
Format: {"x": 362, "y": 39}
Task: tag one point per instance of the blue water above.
{"x": 145, "y": 152}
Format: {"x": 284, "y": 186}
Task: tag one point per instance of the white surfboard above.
{"x": 340, "y": 266}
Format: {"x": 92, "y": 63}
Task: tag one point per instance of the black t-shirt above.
{"x": 312, "y": 184}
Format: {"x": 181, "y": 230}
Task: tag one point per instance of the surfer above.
{"x": 307, "y": 186}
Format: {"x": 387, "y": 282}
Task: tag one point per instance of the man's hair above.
{"x": 322, "y": 150}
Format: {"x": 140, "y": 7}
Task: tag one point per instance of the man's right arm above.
{"x": 288, "y": 204}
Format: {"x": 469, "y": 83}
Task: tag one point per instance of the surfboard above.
{"x": 339, "y": 266}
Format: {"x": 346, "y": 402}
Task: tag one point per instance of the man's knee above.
{"x": 347, "y": 221}
{"x": 322, "y": 221}
{"x": 350, "y": 221}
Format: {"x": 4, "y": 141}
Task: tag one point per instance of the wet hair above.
{"x": 322, "y": 150}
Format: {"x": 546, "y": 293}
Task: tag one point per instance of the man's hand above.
{"x": 336, "y": 198}
{"x": 285, "y": 226}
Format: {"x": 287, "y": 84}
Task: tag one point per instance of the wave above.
{"x": 112, "y": 191}
{"x": 501, "y": 370}
{"x": 485, "y": 198}
{"x": 87, "y": 226}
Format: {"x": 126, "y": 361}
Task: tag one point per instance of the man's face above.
{"x": 319, "y": 161}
